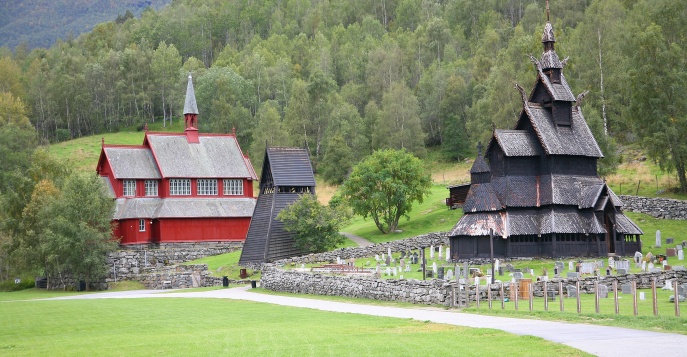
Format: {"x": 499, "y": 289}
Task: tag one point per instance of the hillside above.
{"x": 40, "y": 23}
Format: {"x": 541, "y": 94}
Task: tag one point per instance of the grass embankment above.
{"x": 171, "y": 326}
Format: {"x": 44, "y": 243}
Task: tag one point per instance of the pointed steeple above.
{"x": 549, "y": 59}
{"x": 191, "y": 113}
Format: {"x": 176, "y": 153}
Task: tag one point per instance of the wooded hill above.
{"x": 349, "y": 77}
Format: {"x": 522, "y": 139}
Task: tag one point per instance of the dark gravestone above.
{"x": 430, "y": 274}
{"x": 440, "y": 273}
{"x": 670, "y": 252}
{"x": 510, "y": 268}
{"x": 552, "y": 295}
{"x": 670, "y": 240}
{"x": 627, "y": 289}
{"x": 573, "y": 275}
{"x": 572, "y": 291}
{"x": 500, "y": 271}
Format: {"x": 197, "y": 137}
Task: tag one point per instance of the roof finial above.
{"x": 102, "y": 141}
{"x": 479, "y": 148}
{"x": 547, "y": 12}
{"x": 145, "y": 127}
{"x": 233, "y": 130}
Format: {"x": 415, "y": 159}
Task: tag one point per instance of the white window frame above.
{"x": 233, "y": 187}
{"x": 180, "y": 187}
{"x": 151, "y": 187}
{"x": 129, "y": 188}
{"x": 206, "y": 187}
{"x": 141, "y": 225}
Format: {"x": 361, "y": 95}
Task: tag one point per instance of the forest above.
{"x": 345, "y": 78}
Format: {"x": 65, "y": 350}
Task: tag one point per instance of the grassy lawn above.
{"x": 144, "y": 327}
{"x": 226, "y": 264}
{"x": 669, "y": 228}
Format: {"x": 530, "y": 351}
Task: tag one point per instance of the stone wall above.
{"x": 434, "y": 291}
{"x": 128, "y": 262}
{"x": 666, "y": 208}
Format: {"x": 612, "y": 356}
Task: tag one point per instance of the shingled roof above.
{"x": 573, "y": 140}
{"x": 132, "y": 162}
{"x": 290, "y": 166}
{"x": 215, "y": 156}
{"x": 517, "y": 142}
{"x": 128, "y": 208}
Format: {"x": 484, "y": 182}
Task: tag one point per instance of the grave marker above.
{"x": 670, "y": 240}
{"x": 681, "y": 255}
{"x": 627, "y": 288}
{"x": 431, "y": 252}
{"x": 621, "y": 271}
{"x": 603, "y": 291}
{"x": 517, "y": 276}
{"x": 573, "y": 275}
{"x": 638, "y": 259}
{"x": 572, "y": 291}
{"x": 670, "y": 252}
{"x": 658, "y": 239}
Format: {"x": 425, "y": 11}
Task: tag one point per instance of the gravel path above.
{"x": 357, "y": 239}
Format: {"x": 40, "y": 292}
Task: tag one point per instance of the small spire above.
{"x": 102, "y": 141}
{"x": 190, "y": 106}
{"x": 233, "y": 130}
{"x": 479, "y": 148}
{"x": 548, "y": 12}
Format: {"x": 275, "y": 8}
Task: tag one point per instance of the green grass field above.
{"x": 182, "y": 327}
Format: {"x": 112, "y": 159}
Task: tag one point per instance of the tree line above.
{"x": 346, "y": 78}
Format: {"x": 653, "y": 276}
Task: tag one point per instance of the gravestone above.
{"x": 466, "y": 271}
{"x": 394, "y": 271}
{"x": 440, "y": 273}
{"x": 678, "y": 247}
{"x": 626, "y": 288}
{"x": 642, "y": 296}
{"x": 571, "y": 265}
{"x": 679, "y": 267}
{"x": 377, "y": 257}
{"x": 500, "y": 271}
{"x": 556, "y": 271}
{"x": 587, "y": 268}
{"x": 621, "y": 271}
{"x": 680, "y": 254}
{"x": 415, "y": 258}
{"x": 517, "y": 276}
{"x": 623, "y": 264}
{"x": 448, "y": 254}
{"x": 670, "y": 240}
{"x": 388, "y": 251}
{"x": 611, "y": 263}
{"x": 552, "y": 295}
{"x": 658, "y": 239}
{"x": 388, "y": 271}
{"x": 573, "y": 275}
{"x": 603, "y": 291}
{"x": 449, "y": 274}
{"x": 388, "y": 260}
{"x": 434, "y": 267}
{"x": 559, "y": 265}
{"x": 379, "y": 268}
{"x": 608, "y": 271}
{"x": 670, "y": 252}
{"x": 572, "y": 291}
{"x": 510, "y": 268}
{"x": 407, "y": 269}
{"x": 650, "y": 266}
{"x": 457, "y": 270}
{"x": 431, "y": 252}
{"x": 638, "y": 259}
{"x": 441, "y": 252}
{"x": 403, "y": 255}
{"x": 497, "y": 264}
{"x": 430, "y": 274}
{"x": 403, "y": 262}
{"x": 643, "y": 265}
{"x": 655, "y": 270}
{"x": 668, "y": 285}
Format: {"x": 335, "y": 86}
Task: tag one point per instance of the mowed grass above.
{"x": 176, "y": 327}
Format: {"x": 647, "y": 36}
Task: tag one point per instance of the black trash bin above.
{"x": 225, "y": 282}
{"x": 81, "y": 286}
{"x": 253, "y": 284}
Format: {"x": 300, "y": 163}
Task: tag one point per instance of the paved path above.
{"x": 597, "y": 340}
{"x": 357, "y": 239}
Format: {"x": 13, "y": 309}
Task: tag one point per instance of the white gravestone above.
{"x": 441, "y": 252}
{"x": 638, "y": 259}
{"x": 449, "y": 274}
{"x": 658, "y": 239}
{"x": 496, "y": 264}
{"x": 383, "y": 257}
{"x": 611, "y": 263}
{"x": 650, "y": 266}
{"x": 668, "y": 286}
{"x": 477, "y": 280}
{"x": 448, "y": 254}
{"x": 388, "y": 271}
{"x": 393, "y": 271}
{"x": 665, "y": 262}
{"x": 431, "y": 252}
{"x": 434, "y": 267}
{"x": 388, "y": 251}
{"x": 407, "y": 268}
{"x": 643, "y": 265}
{"x": 681, "y": 255}
{"x": 377, "y": 257}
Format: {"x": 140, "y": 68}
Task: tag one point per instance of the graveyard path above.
{"x": 360, "y": 241}
{"x": 597, "y": 340}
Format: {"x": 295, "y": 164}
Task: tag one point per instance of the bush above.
{"x": 10, "y": 285}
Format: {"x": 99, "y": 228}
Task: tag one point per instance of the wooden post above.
{"x": 560, "y": 295}
{"x": 477, "y": 295}
{"x": 654, "y": 297}
{"x": 453, "y": 295}
{"x": 596, "y": 296}
{"x": 503, "y": 298}
{"x": 531, "y": 295}
{"x": 546, "y": 298}
{"x": 515, "y": 286}
{"x": 489, "y": 294}
{"x": 677, "y": 298}
{"x": 423, "y": 263}
{"x": 634, "y": 297}
{"x": 579, "y": 303}
{"x": 615, "y": 296}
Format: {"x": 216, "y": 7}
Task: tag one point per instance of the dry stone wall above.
{"x": 666, "y": 208}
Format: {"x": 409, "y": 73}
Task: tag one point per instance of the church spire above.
{"x": 549, "y": 59}
{"x": 191, "y": 113}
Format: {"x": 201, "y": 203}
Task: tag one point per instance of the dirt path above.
{"x": 357, "y": 239}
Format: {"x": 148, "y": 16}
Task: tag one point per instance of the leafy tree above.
{"x": 79, "y": 232}
{"x": 384, "y": 187}
{"x": 399, "y": 126}
{"x": 316, "y": 227}
{"x": 165, "y": 64}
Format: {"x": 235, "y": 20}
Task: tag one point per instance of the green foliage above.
{"x": 316, "y": 227}
{"x": 385, "y": 185}
{"x": 11, "y": 285}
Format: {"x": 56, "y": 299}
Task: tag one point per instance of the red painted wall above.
{"x": 184, "y": 230}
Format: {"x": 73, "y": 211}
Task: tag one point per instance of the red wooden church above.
{"x": 180, "y": 187}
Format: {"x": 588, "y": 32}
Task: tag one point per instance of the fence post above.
{"x": 477, "y": 295}
{"x": 677, "y": 298}
{"x": 531, "y": 294}
{"x": 515, "y": 286}
{"x": 615, "y": 296}
{"x": 654, "y": 297}
{"x": 546, "y": 298}
{"x": 489, "y": 294}
{"x": 596, "y": 296}
{"x": 634, "y": 297}
{"x": 560, "y": 295}
{"x": 579, "y": 303}
{"x": 503, "y": 298}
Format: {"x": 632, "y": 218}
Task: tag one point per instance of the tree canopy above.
{"x": 385, "y": 185}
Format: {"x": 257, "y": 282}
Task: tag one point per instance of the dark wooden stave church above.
{"x": 537, "y": 186}
{"x": 286, "y": 175}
